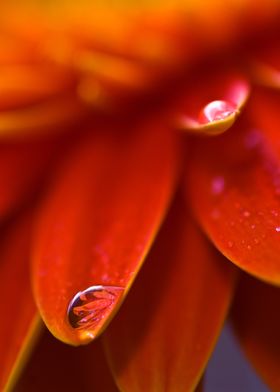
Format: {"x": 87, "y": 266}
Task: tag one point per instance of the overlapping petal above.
{"x": 257, "y": 323}
{"x": 57, "y": 367}
{"x": 164, "y": 334}
{"x": 19, "y": 320}
{"x": 98, "y": 222}
{"x": 23, "y": 165}
{"x": 233, "y": 192}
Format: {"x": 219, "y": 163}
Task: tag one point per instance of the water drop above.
{"x": 249, "y": 247}
{"x": 217, "y": 110}
{"x": 246, "y": 214}
{"x": 277, "y": 229}
{"x": 253, "y": 226}
{"x": 88, "y": 309}
{"x": 273, "y": 212}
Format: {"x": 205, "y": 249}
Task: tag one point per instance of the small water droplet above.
{"x": 217, "y": 110}
{"x": 88, "y": 309}
{"x": 230, "y": 244}
{"x": 246, "y": 214}
{"x": 218, "y": 185}
{"x": 277, "y": 229}
{"x": 249, "y": 247}
{"x": 253, "y": 227}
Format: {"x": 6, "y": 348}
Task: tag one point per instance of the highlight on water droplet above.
{"x": 215, "y": 111}
{"x": 89, "y": 309}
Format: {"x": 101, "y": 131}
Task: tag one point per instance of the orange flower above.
{"x": 120, "y": 128}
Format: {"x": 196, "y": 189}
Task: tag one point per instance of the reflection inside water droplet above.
{"x": 217, "y": 110}
{"x": 89, "y": 308}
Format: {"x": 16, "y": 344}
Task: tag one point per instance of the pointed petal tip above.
{"x": 71, "y": 255}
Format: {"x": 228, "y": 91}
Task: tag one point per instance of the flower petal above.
{"x": 20, "y": 322}
{"x": 165, "y": 332}
{"x": 98, "y": 223}
{"x": 257, "y": 324}
{"x": 57, "y": 367}
{"x": 23, "y": 164}
{"x": 233, "y": 190}
{"x": 43, "y": 118}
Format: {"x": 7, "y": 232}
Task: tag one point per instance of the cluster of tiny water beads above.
{"x": 90, "y": 308}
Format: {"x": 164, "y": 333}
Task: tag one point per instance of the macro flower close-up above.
{"x": 140, "y": 193}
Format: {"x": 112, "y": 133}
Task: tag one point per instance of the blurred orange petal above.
{"x": 256, "y": 321}
{"x": 29, "y": 84}
{"x": 97, "y": 225}
{"x": 165, "y": 332}
{"x": 20, "y": 322}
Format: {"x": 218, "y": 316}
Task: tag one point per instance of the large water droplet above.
{"x": 88, "y": 309}
{"x": 217, "y": 110}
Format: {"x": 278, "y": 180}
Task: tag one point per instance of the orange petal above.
{"x": 233, "y": 190}
{"x": 57, "y": 367}
{"x": 169, "y": 33}
{"x": 165, "y": 332}
{"x": 29, "y": 84}
{"x": 257, "y": 324}
{"x": 48, "y": 116}
{"x": 97, "y": 225}
{"x": 19, "y": 325}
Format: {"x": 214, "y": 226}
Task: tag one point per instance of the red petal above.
{"x": 97, "y": 225}
{"x": 19, "y": 315}
{"x": 166, "y": 330}
{"x": 57, "y": 367}
{"x": 22, "y": 167}
{"x": 233, "y": 188}
{"x": 257, "y": 325}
